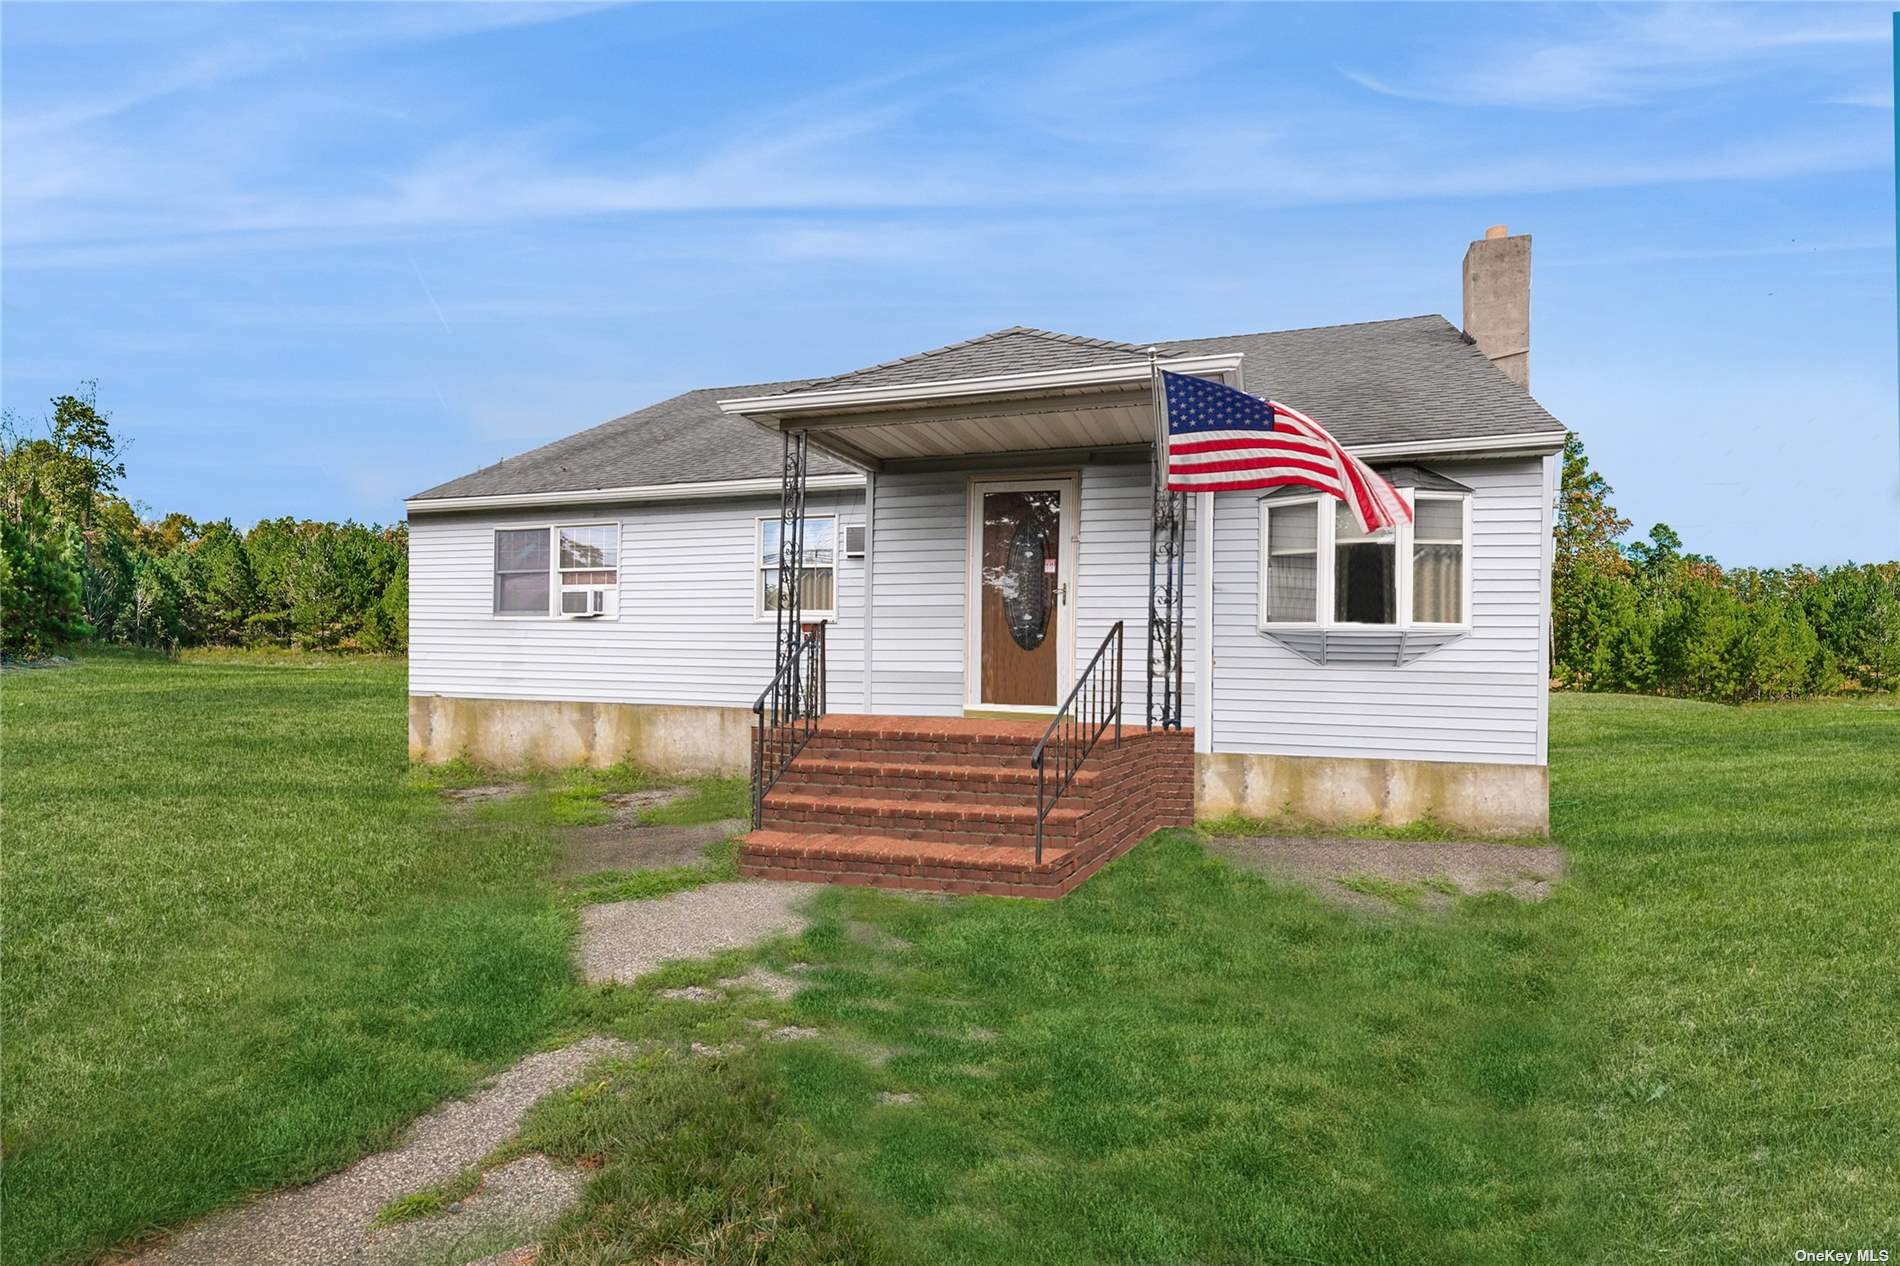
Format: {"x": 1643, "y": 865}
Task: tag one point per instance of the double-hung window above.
{"x": 590, "y": 560}
{"x": 558, "y": 570}
{"x": 818, "y": 584}
{"x": 1438, "y": 558}
{"x": 1319, "y": 570}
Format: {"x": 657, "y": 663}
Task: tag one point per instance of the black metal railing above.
{"x": 1093, "y": 706}
{"x": 786, "y": 715}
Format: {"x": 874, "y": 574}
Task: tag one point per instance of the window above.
{"x": 1292, "y": 593}
{"x": 1321, "y": 571}
{"x": 817, "y": 597}
{"x": 579, "y": 562}
{"x": 521, "y": 571}
{"x": 590, "y": 557}
{"x": 1365, "y": 573}
{"x": 1438, "y": 559}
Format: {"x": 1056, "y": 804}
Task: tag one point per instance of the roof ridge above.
{"x": 1315, "y": 329}
{"x": 1078, "y": 340}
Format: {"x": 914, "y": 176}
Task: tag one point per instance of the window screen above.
{"x": 1365, "y": 574}
{"x": 1292, "y": 563}
{"x": 818, "y": 584}
{"x": 521, "y": 571}
{"x": 1438, "y": 560}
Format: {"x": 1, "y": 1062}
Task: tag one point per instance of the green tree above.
{"x": 78, "y": 462}
{"x": 229, "y": 587}
{"x": 40, "y": 598}
{"x": 1586, "y": 561}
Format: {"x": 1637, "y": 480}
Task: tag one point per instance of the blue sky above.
{"x": 320, "y": 257}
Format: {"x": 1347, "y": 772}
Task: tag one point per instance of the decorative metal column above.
{"x": 1167, "y": 599}
{"x": 791, "y": 569}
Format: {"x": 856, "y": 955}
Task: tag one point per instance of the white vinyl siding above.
{"x": 686, "y": 631}
{"x": 687, "y": 588}
{"x": 917, "y": 628}
{"x": 919, "y": 624}
{"x": 1112, "y": 581}
{"x": 1478, "y": 698}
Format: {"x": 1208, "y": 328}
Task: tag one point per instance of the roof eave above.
{"x": 768, "y": 410}
{"x": 706, "y": 490}
{"x": 1527, "y": 444}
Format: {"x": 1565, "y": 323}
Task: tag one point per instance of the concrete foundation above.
{"x": 522, "y": 733}
{"x": 1483, "y": 799}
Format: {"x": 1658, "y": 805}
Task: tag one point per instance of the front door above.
{"x": 1021, "y": 622}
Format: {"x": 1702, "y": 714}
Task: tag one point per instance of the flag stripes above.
{"x": 1223, "y": 440}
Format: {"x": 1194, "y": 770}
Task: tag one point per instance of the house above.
{"x": 982, "y": 544}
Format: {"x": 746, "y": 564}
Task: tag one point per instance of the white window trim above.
{"x": 1412, "y": 498}
{"x": 555, "y": 587}
{"x": 1324, "y": 567}
{"x": 759, "y": 614}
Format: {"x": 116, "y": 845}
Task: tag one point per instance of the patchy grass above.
{"x": 245, "y": 941}
{"x": 1404, "y": 896}
{"x": 721, "y": 865}
{"x": 245, "y": 944}
{"x": 699, "y": 1162}
{"x": 1425, "y": 830}
{"x": 1186, "y": 1062}
{"x": 433, "y": 1201}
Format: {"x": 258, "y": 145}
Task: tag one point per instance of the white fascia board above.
{"x": 712, "y": 489}
{"x": 770, "y": 408}
{"x": 1535, "y": 444}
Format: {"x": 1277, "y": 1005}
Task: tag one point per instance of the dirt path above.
{"x": 624, "y": 940}
{"x": 1327, "y": 865}
{"x": 332, "y": 1222}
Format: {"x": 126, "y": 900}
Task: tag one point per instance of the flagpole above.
{"x": 1157, "y": 465}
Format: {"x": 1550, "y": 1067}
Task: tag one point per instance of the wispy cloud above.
{"x": 1632, "y": 58}
{"x": 293, "y": 37}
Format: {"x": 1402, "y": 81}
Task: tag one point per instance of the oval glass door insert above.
{"x": 1026, "y": 589}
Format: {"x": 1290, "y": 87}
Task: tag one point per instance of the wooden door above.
{"x": 1022, "y": 575}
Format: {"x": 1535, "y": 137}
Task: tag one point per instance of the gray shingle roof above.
{"x": 1017, "y": 350}
{"x": 1380, "y": 381}
{"x": 679, "y": 441}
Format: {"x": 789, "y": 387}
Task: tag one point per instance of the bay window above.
{"x": 1320, "y": 571}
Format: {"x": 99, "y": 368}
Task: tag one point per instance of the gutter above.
{"x": 769, "y": 409}
{"x": 711, "y": 489}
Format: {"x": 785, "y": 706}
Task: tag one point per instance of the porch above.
{"x": 1058, "y": 690}
{"x": 951, "y": 805}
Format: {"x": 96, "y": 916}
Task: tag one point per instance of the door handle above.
{"x": 1063, "y": 589}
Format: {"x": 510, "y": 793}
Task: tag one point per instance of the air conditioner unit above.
{"x": 854, "y": 540}
{"x": 591, "y": 605}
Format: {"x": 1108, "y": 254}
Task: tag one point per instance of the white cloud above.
{"x": 1634, "y": 57}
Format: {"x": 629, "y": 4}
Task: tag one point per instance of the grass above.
{"x": 245, "y": 944}
{"x": 1734, "y": 878}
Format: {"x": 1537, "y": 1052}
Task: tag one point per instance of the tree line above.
{"x": 79, "y": 563}
{"x": 1646, "y": 616}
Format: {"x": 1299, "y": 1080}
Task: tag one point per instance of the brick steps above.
{"x": 1015, "y": 783}
{"x": 950, "y": 805}
{"x": 922, "y": 818}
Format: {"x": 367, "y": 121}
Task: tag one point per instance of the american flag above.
{"x": 1224, "y": 440}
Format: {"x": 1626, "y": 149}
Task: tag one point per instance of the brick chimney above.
{"x": 1498, "y": 300}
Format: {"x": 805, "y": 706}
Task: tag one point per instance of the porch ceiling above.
{"x": 1102, "y": 408}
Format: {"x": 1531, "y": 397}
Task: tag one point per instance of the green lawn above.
{"x": 244, "y": 944}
